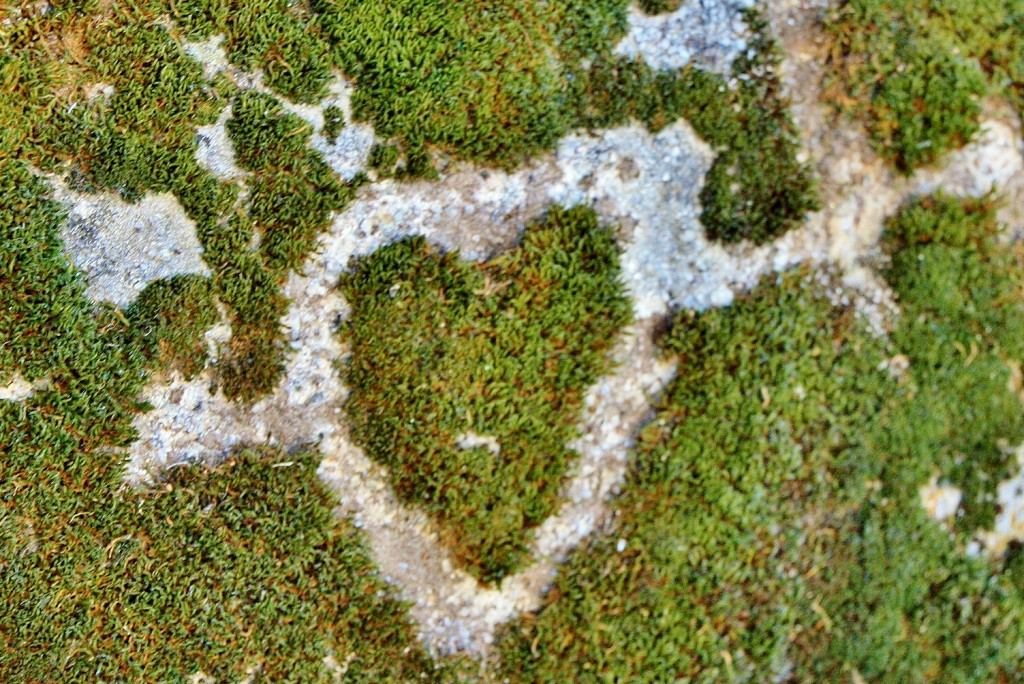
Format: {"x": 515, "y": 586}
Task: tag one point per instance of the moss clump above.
{"x": 293, "y": 190}
{"x": 383, "y": 159}
{"x": 215, "y": 571}
{"x": 42, "y": 298}
{"x": 756, "y": 189}
{"x": 772, "y": 528}
{"x": 467, "y": 381}
{"x": 168, "y": 321}
{"x": 281, "y": 38}
{"x": 416, "y": 88}
{"x": 135, "y": 135}
{"x": 914, "y": 70}
{"x": 334, "y": 121}
{"x": 963, "y": 331}
{"x": 487, "y": 83}
{"x": 659, "y": 6}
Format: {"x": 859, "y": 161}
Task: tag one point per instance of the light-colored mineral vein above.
{"x": 649, "y": 186}
{"x": 481, "y": 212}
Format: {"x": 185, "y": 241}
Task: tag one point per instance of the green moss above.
{"x": 427, "y": 75}
{"x": 484, "y": 83}
{"x": 168, "y": 321}
{"x": 279, "y": 37}
{"x": 142, "y": 137}
{"x": 907, "y": 603}
{"x": 215, "y": 572}
{"x": 293, "y": 190}
{"x": 334, "y": 121}
{"x": 383, "y": 159}
{"x": 960, "y": 291}
{"x": 707, "y": 585}
{"x": 914, "y": 71}
{"x": 418, "y": 164}
{"x": 443, "y": 350}
{"x": 772, "y": 525}
{"x": 659, "y": 6}
{"x": 41, "y": 297}
{"x": 254, "y": 361}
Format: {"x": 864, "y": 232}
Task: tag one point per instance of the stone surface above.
{"x": 122, "y": 247}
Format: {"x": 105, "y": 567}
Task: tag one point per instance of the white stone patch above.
{"x": 210, "y": 54}
{"x": 648, "y": 185}
{"x": 313, "y": 114}
{"x": 472, "y": 440}
{"x": 20, "y": 389}
{"x": 709, "y": 33}
{"x": 1009, "y": 523}
{"x": 991, "y": 161}
{"x": 99, "y": 91}
{"x": 214, "y": 150}
{"x": 123, "y": 247}
{"x": 349, "y": 152}
{"x": 941, "y": 501}
{"x": 994, "y": 160}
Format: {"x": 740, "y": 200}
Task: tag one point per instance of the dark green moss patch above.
{"x": 138, "y": 137}
{"x": 914, "y": 70}
{"x": 443, "y": 351}
{"x": 168, "y": 321}
{"x": 334, "y": 121}
{"x": 214, "y": 572}
{"x": 383, "y": 159}
{"x": 659, "y": 6}
{"x": 293, "y": 191}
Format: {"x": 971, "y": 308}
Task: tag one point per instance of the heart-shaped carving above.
{"x": 467, "y": 380}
